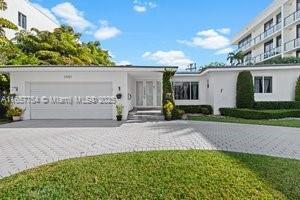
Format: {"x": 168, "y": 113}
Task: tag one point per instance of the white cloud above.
{"x": 138, "y": 8}
{"x": 45, "y": 11}
{"x": 106, "y": 31}
{"x": 211, "y": 39}
{"x": 71, "y": 16}
{"x": 169, "y": 58}
{"x": 225, "y": 31}
{"x": 142, "y": 6}
{"x": 123, "y": 63}
{"x": 224, "y": 51}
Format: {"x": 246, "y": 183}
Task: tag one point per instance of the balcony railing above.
{"x": 267, "y": 55}
{"x": 292, "y": 18}
{"x": 246, "y": 46}
{"x": 267, "y": 33}
{"x": 292, "y": 44}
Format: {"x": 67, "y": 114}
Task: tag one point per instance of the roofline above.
{"x": 80, "y": 68}
{"x": 253, "y": 23}
{"x": 240, "y": 68}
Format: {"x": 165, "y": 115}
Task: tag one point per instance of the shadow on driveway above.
{"x": 63, "y": 124}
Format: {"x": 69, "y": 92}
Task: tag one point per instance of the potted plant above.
{"x": 120, "y": 108}
{"x": 15, "y": 113}
{"x": 168, "y": 110}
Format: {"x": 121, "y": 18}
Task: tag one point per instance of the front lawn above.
{"x": 278, "y": 122}
{"x": 159, "y": 175}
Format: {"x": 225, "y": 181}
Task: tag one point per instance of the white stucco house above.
{"x": 140, "y": 87}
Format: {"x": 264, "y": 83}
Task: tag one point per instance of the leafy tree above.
{"x": 4, "y": 23}
{"x": 244, "y": 90}
{"x": 280, "y": 60}
{"x": 215, "y": 64}
{"x": 236, "y": 58}
{"x": 60, "y": 47}
{"x": 297, "y": 98}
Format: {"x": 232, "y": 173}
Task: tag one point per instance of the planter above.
{"x": 16, "y": 118}
{"x": 168, "y": 117}
{"x": 119, "y": 117}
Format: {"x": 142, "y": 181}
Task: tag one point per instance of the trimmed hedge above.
{"x": 201, "y": 109}
{"x": 297, "y": 90}
{"x": 276, "y": 105}
{"x": 259, "y": 114}
{"x": 244, "y": 90}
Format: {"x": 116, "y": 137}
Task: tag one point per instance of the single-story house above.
{"x": 138, "y": 87}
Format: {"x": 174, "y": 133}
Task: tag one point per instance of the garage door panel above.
{"x": 67, "y": 111}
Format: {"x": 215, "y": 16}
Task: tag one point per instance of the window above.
{"x": 263, "y": 84}
{"x": 278, "y": 41}
{"x": 268, "y": 49}
{"x": 268, "y": 25}
{"x": 245, "y": 41}
{"x": 22, "y": 20}
{"x": 278, "y": 18}
{"x": 258, "y": 86}
{"x": 298, "y": 54}
{"x": 298, "y": 31}
{"x": 298, "y": 5}
{"x": 186, "y": 90}
{"x": 267, "y": 84}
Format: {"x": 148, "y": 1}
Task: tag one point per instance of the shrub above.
{"x": 259, "y": 114}
{"x": 276, "y": 105}
{"x": 167, "y": 88}
{"x": 177, "y": 114}
{"x": 201, "y": 109}
{"x": 15, "y": 112}
{"x": 279, "y": 60}
{"x": 297, "y": 92}
{"x": 244, "y": 90}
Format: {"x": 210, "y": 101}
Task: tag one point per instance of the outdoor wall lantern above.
{"x": 119, "y": 95}
{"x": 14, "y": 89}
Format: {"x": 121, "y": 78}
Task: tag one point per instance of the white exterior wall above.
{"x": 35, "y": 18}
{"x": 21, "y": 80}
{"x": 284, "y": 83}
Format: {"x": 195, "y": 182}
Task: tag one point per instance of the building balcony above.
{"x": 292, "y": 18}
{"x": 292, "y": 45}
{"x": 264, "y": 56}
{"x": 268, "y": 34}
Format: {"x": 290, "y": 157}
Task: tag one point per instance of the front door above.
{"x": 148, "y": 93}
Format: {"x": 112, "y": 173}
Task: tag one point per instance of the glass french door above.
{"x": 148, "y": 93}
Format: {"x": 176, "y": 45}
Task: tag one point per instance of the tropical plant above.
{"x": 236, "y": 58}
{"x": 120, "y": 109}
{"x": 297, "y": 93}
{"x": 4, "y": 23}
{"x": 214, "y": 64}
{"x": 169, "y": 107}
{"x": 60, "y": 47}
{"x": 244, "y": 90}
{"x": 167, "y": 88}
{"x": 15, "y": 112}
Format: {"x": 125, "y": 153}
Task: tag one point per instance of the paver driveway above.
{"x": 32, "y": 143}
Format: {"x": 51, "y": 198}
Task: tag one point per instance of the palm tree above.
{"x": 236, "y": 58}
{"x": 4, "y": 23}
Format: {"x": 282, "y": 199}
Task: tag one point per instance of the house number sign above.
{"x": 67, "y": 76}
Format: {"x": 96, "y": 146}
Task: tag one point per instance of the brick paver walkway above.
{"x": 29, "y": 144}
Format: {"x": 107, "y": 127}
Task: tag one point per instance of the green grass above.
{"x": 159, "y": 175}
{"x": 279, "y": 122}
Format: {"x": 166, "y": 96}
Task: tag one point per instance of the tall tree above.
{"x": 60, "y": 47}
{"x": 4, "y": 23}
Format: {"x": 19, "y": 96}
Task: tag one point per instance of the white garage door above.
{"x": 67, "y": 111}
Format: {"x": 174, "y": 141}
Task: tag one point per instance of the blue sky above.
{"x": 158, "y": 32}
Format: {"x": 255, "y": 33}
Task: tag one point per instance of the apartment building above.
{"x": 26, "y": 16}
{"x": 275, "y": 32}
